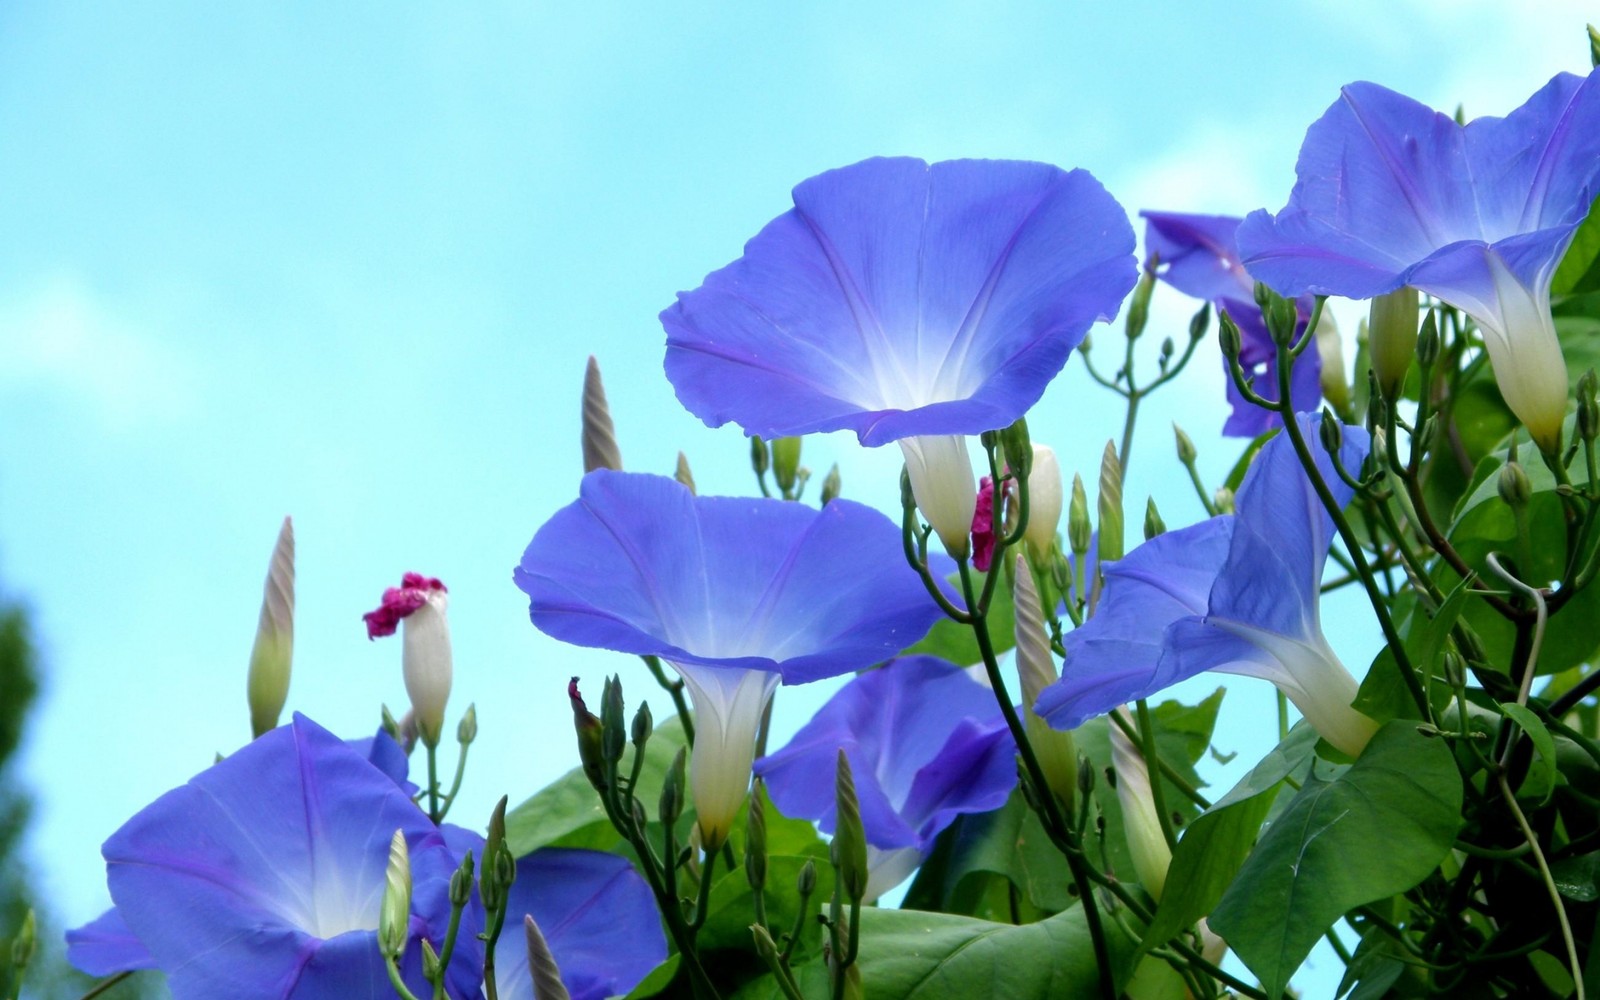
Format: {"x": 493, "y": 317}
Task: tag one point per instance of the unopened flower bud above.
{"x": 1168, "y": 348}
{"x": 1330, "y": 351}
{"x": 849, "y": 848}
{"x": 1085, "y": 776}
{"x": 1428, "y": 340}
{"x": 461, "y": 882}
{"x": 613, "y": 731}
{"x": 600, "y": 449}
{"x": 785, "y": 462}
{"x": 272, "y": 656}
{"x": 1222, "y": 499}
{"x": 671, "y": 804}
{"x": 590, "y": 750}
{"x": 1392, "y": 338}
{"x": 1186, "y": 452}
{"x": 467, "y": 728}
{"x": 1044, "y": 501}
{"x": 1016, "y": 448}
{"x": 1153, "y": 525}
{"x": 386, "y": 720}
{"x": 682, "y": 473}
{"x": 806, "y": 882}
{"x": 1588, "y": 409}
{"x": 1036, "y": 668}
{"x": 830, "y": 485}
{"x": 1079, "y": 529}
{"x": 430, "y": 961}
{"x": 542, "y": 966}
{"x": 1200, "y": 322}
{"x": 945, "y": 489}
{"x": 492, "y": 881}
{"x": 643, "y": 726}
{"x": 1594, "y": 47}
{"x": 24, "y": 944}
{"x": 1152, "y": 856}
{"x": 1282, "y": 316}
{"x": 1139, "y": 304}
{"x": 755, "y": 842}
{"x": 760, "y": 458}
{"x": 1515, "y": 489}
{"x": 1110, "y": 505}
{"x": 1227, "y": 337}
{"x": 394, "y": 919}
{"x": 765, "y": 946}
{"x": 1331, "y": 432}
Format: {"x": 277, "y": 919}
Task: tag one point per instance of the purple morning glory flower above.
{"x": 105, "y": 946}
{"x": 735, "y": 593}
{"x": 1391, "y": 193}
{"x": 909, "y": 302}
{"x": 596, "y": 913}
{"x": 1237, "y": 594}
{"x": 263, "y": 876}
{"x": 1196, "y": 255}
{"x": 926, "y": 743}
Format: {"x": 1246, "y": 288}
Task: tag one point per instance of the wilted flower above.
{"x": 1391, "y": 193}
{"x": 925, "y": 742}
{"x": 1196, "y": 254}
{"x": 907, "y": 302}
{"x": 734, "y": 593}
{"x": 1238, "y": 594}
{"x": 420, "y": 602}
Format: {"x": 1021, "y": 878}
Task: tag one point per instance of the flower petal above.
{"x": 900, "y": 298}
{"x": 105, "y": 946}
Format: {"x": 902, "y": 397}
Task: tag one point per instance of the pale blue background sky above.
{"x": 345, "y": 261}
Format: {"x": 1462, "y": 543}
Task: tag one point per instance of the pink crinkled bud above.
{"x": 398, "y": 602}
{"x": 983, "y": 526}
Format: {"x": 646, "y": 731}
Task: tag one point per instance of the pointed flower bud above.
{"x": 613, "y": 735}
{"x": 1044, "y": 501}
{"x": 589, "y": 740}
{"x": 1036, "y": 667}
{"x": 755, "y": 842}
{"x": 1428, "y": 340}
{"x": 1153, "y": 525}
{"x": 461, "y": 882}
{"x": 1588, "y": 409}
{"x": 1110, "y": 505}
{"x": 806, "y": 882}
{"x": 268, "y": 685}
{"x": 1330, "y": 351}
{"x": 1146, "y": 843}
{"x": 1079, "y": 529}
{"x": 1392, "y": 338}
{"x": 600, "y": 449}
{"x": 682, "y": 474}
{"x": 849, "y": 848}
{"x": 394, "y": 919}
{"x": 467, "y": 728}
{"x": 830, "y": 485}
{"x": 1228, "y": 336}
{"x": 671, "y": 806}
{"x": 785, "y": 462}
{"x": 643, "y": 726}
{"x": 1186, "y": 451}
{"x": 1139, "y": 303}
{"x": 1515, "y": 489}
{"x": 24, "y": 944}
{"x": 1331, "y": 433}
{"x": 1200, "y": 322}
{"x": 946, "y": 492}
{"x": 493, "y": 881}
{"x": 1016, "y": 448}
{"x": 1222, "y": 498}
{"x": 760, "y": 458}
{"x": 542, "y": 967}
{"x": 420, "y": 602}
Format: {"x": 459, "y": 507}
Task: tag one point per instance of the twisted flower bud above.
{"x": 270, "y": 659}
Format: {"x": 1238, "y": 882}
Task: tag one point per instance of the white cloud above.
{"x": 58, "y": 338}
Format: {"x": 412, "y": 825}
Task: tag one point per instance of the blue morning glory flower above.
{"x": 263, "y": 877}
{"x": 1390, "y": 193}
{"x": 909, "y": 302}
{"x": 105, "y": 946}
{"x": 1196, "y": 254}
{"x": 1236, "y": 594}
{"x": 926, "y": 743}
{"x": 597, "y": 915}
{"x": 735, "y": 593}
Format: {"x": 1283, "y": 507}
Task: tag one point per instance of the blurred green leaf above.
{"x": 953, "y": 641}
{"x": 1579, "y": 270}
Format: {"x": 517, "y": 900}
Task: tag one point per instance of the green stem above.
{"x": 1152, "y": 761}
{"x": 1549, "y": 883}
{"x": 455, "y": 784}
{"x": 675, "y": 689}
{"x": 105, "y": 985}
{"x": 395, "y": 980}
{"x": 433, "y": 783}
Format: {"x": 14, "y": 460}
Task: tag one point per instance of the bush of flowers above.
{"x": 997, "y": 764}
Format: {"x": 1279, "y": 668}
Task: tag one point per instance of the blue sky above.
{"x": 346, "y": 261}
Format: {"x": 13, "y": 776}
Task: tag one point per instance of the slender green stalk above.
{"x": 455, "y": 784}
{"x": 1152, "y": 761}
{"x": 433, "y": 784}
{"x": 1549, "y": 883}
{"x": 105, "y": 985}
{"x": 675, "y": 690}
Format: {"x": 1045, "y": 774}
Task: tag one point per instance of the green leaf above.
{"x": 659, "y": 979}
{"x": 912, "y": 955}
{"x": 1575, "y": 877}
{"x": 568, "y": 813}
{"x": 1383, "y": 694}
{"x": 953, "y": 641}
{"x": 1214, "y": 846}
{"x": 1579, "y": 270}
{"x": 1543, "y": 742}
{"x": 1009, "y": 842}
{"x": 1374, "y": 830}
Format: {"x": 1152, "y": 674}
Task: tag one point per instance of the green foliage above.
{"x": 1351, "y": 836}
{"x": 1580, "y": 268}
{"x": 954, "y": 642}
